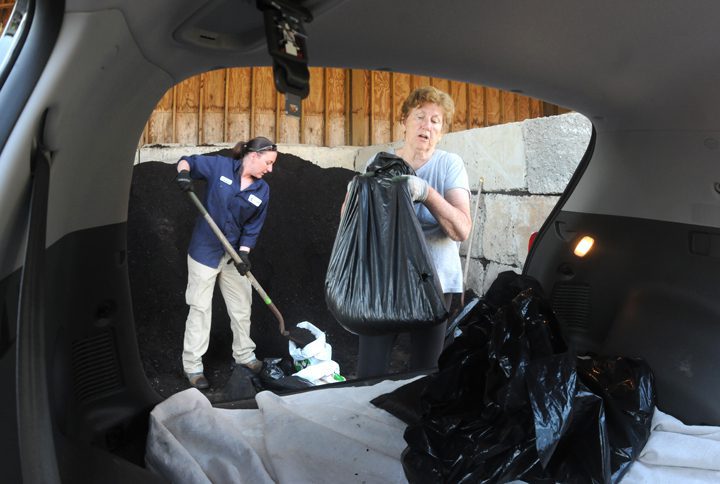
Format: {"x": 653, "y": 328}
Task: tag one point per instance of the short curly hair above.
{"x": 429, "y": 94}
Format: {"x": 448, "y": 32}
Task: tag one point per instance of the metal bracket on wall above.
{"x": 287, "y": 45}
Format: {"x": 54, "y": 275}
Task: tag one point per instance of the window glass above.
{"x": 13, "y": 32}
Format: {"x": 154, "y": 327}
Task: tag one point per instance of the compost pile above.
{"x": 290, "y": 262}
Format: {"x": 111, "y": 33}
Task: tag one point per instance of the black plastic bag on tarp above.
{"x": 381, "y": 278}
{"x": 510, "y": 402}
{"x": 275, "y": 376}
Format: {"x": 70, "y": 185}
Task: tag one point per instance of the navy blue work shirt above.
{"x": 240, "y": 214}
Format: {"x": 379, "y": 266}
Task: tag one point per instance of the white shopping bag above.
{"x": 314, "y": 361}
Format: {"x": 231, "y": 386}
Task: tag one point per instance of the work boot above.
{"x": 198, "y": 380}
{"x": 253, "y": 365}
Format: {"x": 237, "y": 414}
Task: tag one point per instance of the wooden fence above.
{"x": 5, "y": 11}
{"x": 344, "y": 107}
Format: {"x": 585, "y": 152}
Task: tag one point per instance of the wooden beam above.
{"x": 381, "y": 116}
{"x": 493, "y": 107}
{"x": 264, "y": 102}
{"x": 400, "y": 90}
{"x": 361, "y": 114}
{"x": 253, "y": 83}
{"x": 348, "y": 107}
{"x": 201, "y": 92}
{"x": 335, "y": 126}
{"x": 226, "y": 106}
{"x": 508, "y": 110}
{"x": 476, "y": 106}
{"x": 458, "y": 92}
{"x": 174, "y": 114}
{"x": 312, "y": 109}
{"x": 239, "y": 101}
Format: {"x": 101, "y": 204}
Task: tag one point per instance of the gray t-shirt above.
{"x": 443, "y": 171}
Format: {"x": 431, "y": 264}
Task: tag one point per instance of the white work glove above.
{"x": 417, "y": 187}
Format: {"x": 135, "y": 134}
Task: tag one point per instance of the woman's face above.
{"x": 424, "y": 127}
{"x": 257, "y": 164}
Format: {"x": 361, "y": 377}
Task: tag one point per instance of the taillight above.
{"x": 533, "y": 236}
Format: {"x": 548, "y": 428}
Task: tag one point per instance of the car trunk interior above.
{"x": 644, "y": 190}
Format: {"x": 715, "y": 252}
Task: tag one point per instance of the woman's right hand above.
{"x": 417, "y": 187}
{"x": 184, "y": 181}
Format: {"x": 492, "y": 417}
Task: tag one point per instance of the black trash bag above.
{"x": 381, "y": 278}
{"x": 510, "y": 402}
{"x": 460, "y": 319}
{"x": 274, "y": 376}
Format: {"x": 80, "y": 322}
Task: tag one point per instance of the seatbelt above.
{"x": 38, "y": 460}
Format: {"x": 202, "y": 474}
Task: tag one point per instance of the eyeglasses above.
{"x": 264, "y": 148}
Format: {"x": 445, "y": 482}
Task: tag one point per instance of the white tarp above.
{"x": 677, "y": 453}
{"x": 332, "y": 435}
{"x": 336, "y": 435}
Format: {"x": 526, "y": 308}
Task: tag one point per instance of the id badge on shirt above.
{"x": 254, "y": 200}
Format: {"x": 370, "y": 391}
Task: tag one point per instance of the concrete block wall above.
{"x": 517, "y": 173}
{"x": 524, "y": 168}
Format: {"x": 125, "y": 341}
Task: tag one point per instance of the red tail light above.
{"x": 533, "y": 236}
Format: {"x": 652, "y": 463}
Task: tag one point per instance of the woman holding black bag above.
{"x": 441, "y": 193}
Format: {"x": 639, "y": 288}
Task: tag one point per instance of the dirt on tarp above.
{"x": 290, "y": 262}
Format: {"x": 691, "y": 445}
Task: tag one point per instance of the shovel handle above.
{"x": 235, "y": 257}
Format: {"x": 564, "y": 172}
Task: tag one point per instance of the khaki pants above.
{"x": 236, "y": 291}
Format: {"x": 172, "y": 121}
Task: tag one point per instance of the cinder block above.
{"x": 509, "y": 221}
{"x": 476, "y": 276}
{"x": 474, "y": 241}
{"x": 337, "y": 157}
{"x": 553, "y": 147}
{"x": 366, "y": 153}
{"x": 497, "y": 154}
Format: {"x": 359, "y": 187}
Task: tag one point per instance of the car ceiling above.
{"x": 629, "y": 66}
{"x": 626, "y": 65}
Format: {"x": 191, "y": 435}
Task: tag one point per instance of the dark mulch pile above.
{"x": 290, "y": 262}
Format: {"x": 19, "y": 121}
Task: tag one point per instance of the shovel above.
{"x": 299, "y": 337}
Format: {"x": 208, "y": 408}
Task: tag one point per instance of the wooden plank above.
{"x": 419, "y": 81}
{"x": 549, "y": 109}
{"x": 312, "y": 110}
{"x": 523, "y": 107}
{"x": 442, "y": 84}
{"x": 492, "y": 106}
{"x": 159, "y": 125}
{"x": 188, "y": 102}
{"x": 509, "y": 107}
{"x": 174, "y": 114}
{"x": 238, "y": 104}
{"x": 476, "y": 106}
{"x": 225, "y": 105}
{"x": 348, "y": 107}
{"x": 359, "y": 107}
{"x": 335, "y": 107}
{"x": 380, "y": 129}
{"x": 400, "y": 91}
{"x": 459, "y": 94}
{"x": 535, "y": 108}
{"x": 279, "y": 109}
{"x": 288, "y": 126}
{"x": 4, "y": 17}
{"x": 201, "y": 97}
{"x": 263, "y": 103}
{"x": 213, "y": 118}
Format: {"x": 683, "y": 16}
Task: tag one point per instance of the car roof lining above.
{"x": 587, "y": 56}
